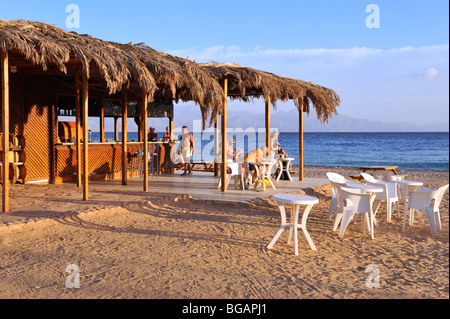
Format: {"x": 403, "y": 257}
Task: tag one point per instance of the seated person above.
{"x": 281, "y": 152}
{"x": 253, "y": 157}
{"x": 233, "y": 154}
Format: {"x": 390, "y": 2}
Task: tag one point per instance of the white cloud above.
{"x": 431, "y": 73}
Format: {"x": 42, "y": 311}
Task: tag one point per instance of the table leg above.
{"x": 280, "y": 230}
{"x": 303, "y": 226}
{"x": 288, "y": 164}
{"x": 280, "y": 163}
{"x": 292, "y": 221}
{"x": 295, "y": 226}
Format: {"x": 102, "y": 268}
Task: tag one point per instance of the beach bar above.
{"x": 44, "y": 67}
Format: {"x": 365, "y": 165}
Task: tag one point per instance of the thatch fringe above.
{"x": 158, "y": 73}
{"x": 252, "y": 83}
{"x": 118, "y": 64}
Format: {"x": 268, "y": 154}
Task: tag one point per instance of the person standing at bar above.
{"x": 152, "y": 135}
{"x": 187, "y": 147}
{"x": 169, "y": 137}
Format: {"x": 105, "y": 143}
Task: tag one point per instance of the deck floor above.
{"x": 203, "y": 185}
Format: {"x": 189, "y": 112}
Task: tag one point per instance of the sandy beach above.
{"x": 178, "y": 247}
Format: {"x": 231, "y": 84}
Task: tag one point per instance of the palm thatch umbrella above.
{"x": 245, "y": 83}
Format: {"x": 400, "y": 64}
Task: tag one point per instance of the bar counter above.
{"x": 105, "y": 159}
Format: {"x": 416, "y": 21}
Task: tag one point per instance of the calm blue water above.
{"x": 417, "y": 151}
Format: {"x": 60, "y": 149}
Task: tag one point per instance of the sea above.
{"x": 413, "y": 151}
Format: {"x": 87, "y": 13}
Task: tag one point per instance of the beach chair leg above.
{"x": 346, "y": 218}
{"x": 411, "y": 217}
{"x": 337, "y": 220}
{"x": 332, "y": 206}
{"x": 404, "y": 219}
{"x": 437, "y": 217}
{"x": 372, "y": 225}
{"x": 430, "y": 217}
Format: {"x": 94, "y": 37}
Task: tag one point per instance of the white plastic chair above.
{"x": 334, "y": 178}
{"x": 356, "y": 201}
{"x": 421, "y": 200}
{"x": 338, "y": 203}
{"x": 236, "y": 171}
{"x": 389, "y": 194}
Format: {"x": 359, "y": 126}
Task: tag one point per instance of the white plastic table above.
{"x": 267, "y": 167}
{"x": 296, "y": 201}
{"x": 284, "y": 167}
{"x": 364, "y": 187}
{"x": 405, "y": 194}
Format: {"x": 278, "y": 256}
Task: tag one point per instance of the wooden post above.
{"x": 4, "y": 60}
{"x": 116, "y": 128}
{"x": 268, "y": 124}
{"x": 78, "y": 126}
{"x": 124, "y": 136}
{"x": 85, "y": 137}
{"x": 102, "y": 120}
{"x": 145, "y": 137}
{"x": 216, "y": 145}
{"x": 170, "y": 128}
{"x": 223, "y": 170}
{"x": 300, "y": 142}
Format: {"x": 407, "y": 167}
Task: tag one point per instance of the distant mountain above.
{"x": 288, "y": 122}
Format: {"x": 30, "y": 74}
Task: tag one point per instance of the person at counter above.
{"x": 169, "y": 137}
{"x": 152, "y": 135}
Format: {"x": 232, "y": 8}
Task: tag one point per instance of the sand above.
{"x": 179, "y": 247}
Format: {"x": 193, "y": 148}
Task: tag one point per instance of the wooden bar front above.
{"x": 105, "y": 160}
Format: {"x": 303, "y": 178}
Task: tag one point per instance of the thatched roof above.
{"x": 116, "y": 64}
{"x": 245, "y": 83}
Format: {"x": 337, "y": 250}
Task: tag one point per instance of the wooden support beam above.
{"x": 5, "y": 130}
{"x": 170, "y": 128}
{"x": 124, "y": 136}
{"x": 300, "y": 144}
{"x": 223, "y": 170}
{"x": 216, "y": 145}
{"x": 267, "y": 123}
{"x": 78, "y": 127}
{"x": 116, "y": 128}
{"x": 85, "y": 106}
{"x": 102, "y": 120}
{"x": 145, "y": 137}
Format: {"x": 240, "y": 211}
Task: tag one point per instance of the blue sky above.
{"x": 398, "y": 72}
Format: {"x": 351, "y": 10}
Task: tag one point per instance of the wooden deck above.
{"x": 203, "y": 185}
